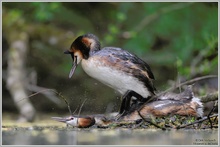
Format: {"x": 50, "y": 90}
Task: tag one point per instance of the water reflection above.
{"x": 109, "y": 137}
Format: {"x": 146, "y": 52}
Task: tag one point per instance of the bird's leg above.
{"x": 126, "y": 99}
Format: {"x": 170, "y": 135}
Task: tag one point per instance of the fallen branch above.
{"x": 209, "y": 97}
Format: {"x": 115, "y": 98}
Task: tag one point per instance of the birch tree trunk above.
{"x": 17, "y": 76}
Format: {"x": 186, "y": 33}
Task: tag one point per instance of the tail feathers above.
{"x": 198, "y": 106}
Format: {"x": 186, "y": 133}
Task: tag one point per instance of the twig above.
{"x": 35, "y": 94}
{"x": 190, "y": 82}
{"x": 81, "y": 106}
{"x": 195, "y": 122}
{"x": 68, "y": 105}
{"x": 213, "y": 108}
{"x": 48, "y": 94}
{"x": 150, "y": 122}
{"x": 75, "y": 110}
{"x": 210, "y": 121}
{"x": 44, "y": 90}
{"x": 138, "y": 125}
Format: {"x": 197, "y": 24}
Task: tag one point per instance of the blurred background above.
{"x": 178, "y": 40}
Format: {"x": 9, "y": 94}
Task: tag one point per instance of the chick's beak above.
{"x": 74, "y": 63}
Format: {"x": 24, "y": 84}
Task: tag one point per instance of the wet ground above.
{"x": 108, "y": 137}
{"x": 48, "y": 132}
{"x": 45, "y": 131}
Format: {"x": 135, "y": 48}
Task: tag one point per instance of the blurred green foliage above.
{"x": 174, "y": 38}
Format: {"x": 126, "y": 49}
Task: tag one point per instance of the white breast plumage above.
{"x": 115, "y": 79}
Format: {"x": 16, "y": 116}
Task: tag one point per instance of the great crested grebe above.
{"x": 115, "y": 67}
{"x": 85, "y": 121}
{"x": 183, "y": 104}
{"x": 75, "y": 121}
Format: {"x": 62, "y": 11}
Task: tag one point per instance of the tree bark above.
{"x": 16, "y": 77}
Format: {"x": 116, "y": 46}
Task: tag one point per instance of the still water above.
{"x": 95, "y": 136}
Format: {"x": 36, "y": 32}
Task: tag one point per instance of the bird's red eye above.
{"x": 71, "y": 118}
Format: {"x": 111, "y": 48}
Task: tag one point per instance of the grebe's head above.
{"x": 81, "y": 48}
{"x": 77, "y": 121}
{"x": 73, "y": 121}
